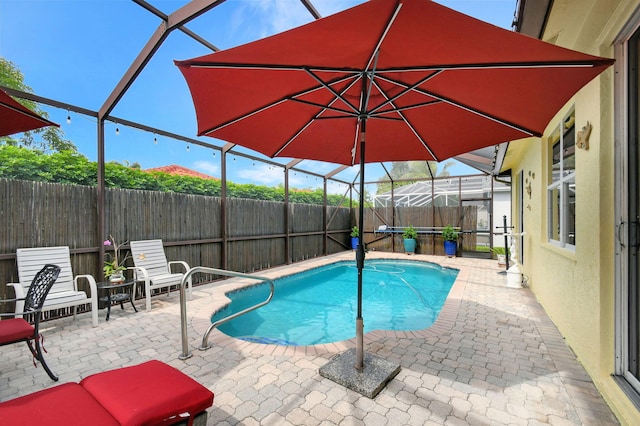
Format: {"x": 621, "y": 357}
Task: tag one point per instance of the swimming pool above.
{"x": 318, "y": 306}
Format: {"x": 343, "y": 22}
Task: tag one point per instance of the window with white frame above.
{"x": 561, "y": 192}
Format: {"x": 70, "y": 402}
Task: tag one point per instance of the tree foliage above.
{"x": 44, "y": 155}
{"x": 71, "y": 167}
{"x": 45, "y": 139}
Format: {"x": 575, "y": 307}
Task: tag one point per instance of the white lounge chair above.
{"x": 64, "y": 292}
{"x": 151, "y": 266}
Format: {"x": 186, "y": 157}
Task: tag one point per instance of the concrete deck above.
{"x": 492, "y": 358}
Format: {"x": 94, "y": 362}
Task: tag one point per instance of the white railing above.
{"x": 183, "y": 305}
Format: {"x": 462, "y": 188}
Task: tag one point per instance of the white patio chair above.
{"x": 152, "y": 268}
{"x": 64, "y": 292}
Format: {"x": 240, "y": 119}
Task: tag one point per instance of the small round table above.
{"x": 115, "y": 292}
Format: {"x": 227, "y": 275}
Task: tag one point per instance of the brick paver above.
{"x": 492, "y": 358}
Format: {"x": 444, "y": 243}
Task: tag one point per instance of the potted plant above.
{"x": 355, "y": 237}
{"x": 450, "y": 237}
{"x": 409, "y": 235}
{"x": 114, "y": 268}
{"x": 501, "y": 255}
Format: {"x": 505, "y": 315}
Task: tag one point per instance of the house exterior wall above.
{"x": 577, "y": 287}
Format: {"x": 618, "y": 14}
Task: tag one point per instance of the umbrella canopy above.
{"x": 16, "y": 118}
{"x": 407, "y": 79}
{"x": 431, "y": 83}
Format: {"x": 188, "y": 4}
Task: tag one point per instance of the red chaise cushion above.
{"x": 151, "y": 393}
{"x": 15, "y": 329}
{"x": 68, "y": 404}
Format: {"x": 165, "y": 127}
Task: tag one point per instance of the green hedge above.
{"x": 74, "y": 168}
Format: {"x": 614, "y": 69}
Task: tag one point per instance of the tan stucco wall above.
{"x": 577, "y": 288}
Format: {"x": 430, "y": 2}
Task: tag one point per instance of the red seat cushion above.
{"x": 152, "y": 393}
{"x": 68, "y": 404}
{"x": 14, "y": 329}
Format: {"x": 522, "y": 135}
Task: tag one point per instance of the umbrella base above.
{"x": 368, "y": 381}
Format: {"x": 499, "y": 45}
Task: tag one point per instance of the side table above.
{"x": 110, "y": 292}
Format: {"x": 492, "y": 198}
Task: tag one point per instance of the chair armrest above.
{"x": 90, "y": 279}
{"x": 184, "y": 264}
{"x": 10, "y": 314}
{"x": 20, "y": 294}
{"x": 18, "y": 289}
{"x": 139, "y": 270}
{"x": 14, "y": 314}
{"x": 11, "y": 300}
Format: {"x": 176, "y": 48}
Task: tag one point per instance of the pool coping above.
{"x": 199, "y": 319}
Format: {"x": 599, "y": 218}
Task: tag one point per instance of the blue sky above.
{"x": 76, "y": 51}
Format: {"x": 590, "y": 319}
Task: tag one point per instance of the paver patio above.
{"x": 492, "y": 358}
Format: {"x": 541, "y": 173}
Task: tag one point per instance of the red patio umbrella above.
{"x": 407, "y": 79}
{"x": 16, "y": 118}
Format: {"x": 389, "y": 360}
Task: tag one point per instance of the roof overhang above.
{"x": 531, "y": 17}
{"x": 487, "y": 160}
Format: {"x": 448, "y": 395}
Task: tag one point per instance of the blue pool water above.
{"x": 319, "y": 305}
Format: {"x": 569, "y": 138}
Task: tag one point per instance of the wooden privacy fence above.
{"x": 255, "y": 234}
{"x": 235, "y": 234}
{"x": 464, "y": 218}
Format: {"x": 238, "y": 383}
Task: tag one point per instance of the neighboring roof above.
{"x": 174, "y": 169}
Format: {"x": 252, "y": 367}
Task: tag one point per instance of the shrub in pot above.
{"x": 450, "y": 237}
{"x": 501, "y": 255}
{"x": 355, "y": 237}
{"x": 409, "y": 235}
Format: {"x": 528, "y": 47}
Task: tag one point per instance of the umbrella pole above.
{"x": 359, "y": 365}
{"x": 367, "y": 381}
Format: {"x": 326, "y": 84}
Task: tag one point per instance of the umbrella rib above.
{"x": 417, "y": 68}
{"x": 501, "y": 65}
{"x": 354, "y": 147}
{"x": 286, "y": 144}
{"x": 262, "y": 67}
{"x": 367, "y": 92}
{"x": 404, "y": 108}
{"x": 422, "y": 141}
{"x": 392, "y": 18}
{"x": 331, "y": 89}
{"x": 266, "y": 107}
{"x": 324, "y": 108}
{"x": 377, "y": 117}
{"x": 376, "y": 50}
{"x": 466, "y": 108}
{"x": 242, "y": 117}
{"x": 28, "y": 113}
{"x": 337, "y": 96}
{"x": 415, "y": 132}
{"x": 406, "y": 90}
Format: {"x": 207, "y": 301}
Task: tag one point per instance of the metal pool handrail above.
{"x": 183, "y": 305}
